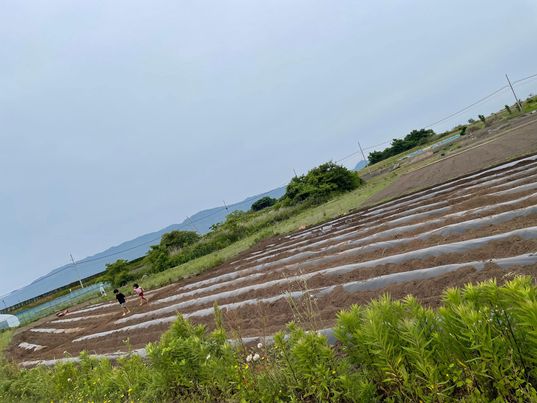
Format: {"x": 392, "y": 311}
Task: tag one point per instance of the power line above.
{"x": 376, "y": 145}
{"x": 481, "y": 100}
{"x": 459, "y": 111}
{"x": 524, "y": 79}
{"x": 348, "y": 156}
{"x": 467, "y": 107}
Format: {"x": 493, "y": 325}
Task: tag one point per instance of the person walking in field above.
{"x": 140, "y": 292}
{"x": 121, "y": 299}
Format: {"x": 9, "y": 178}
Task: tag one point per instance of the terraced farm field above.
{"x": 470, "y": 229}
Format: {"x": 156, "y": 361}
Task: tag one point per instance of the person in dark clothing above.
{"x": 121, "y": 299}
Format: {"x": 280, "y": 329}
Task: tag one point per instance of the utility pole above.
{"x": 514, "y": 94}
{"x": 363, "y": 156}
{"x": 77, "y": 272}
{"x": 225, "y": 205}
{"x": 295, "y": 173}
{"x": 192, "y": 223}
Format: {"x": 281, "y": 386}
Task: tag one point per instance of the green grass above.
{"x": 336, "y": 207}
{"x": 197, "y": 265}
{"x": 5, "y": 339}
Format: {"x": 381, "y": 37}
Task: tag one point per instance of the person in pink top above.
{"x": 140, "y": 292}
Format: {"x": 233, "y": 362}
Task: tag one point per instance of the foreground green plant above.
{"x": 480, "y": 346}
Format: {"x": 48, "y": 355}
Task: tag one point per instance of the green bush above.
{"x": 479, "y": 346}
{"x": 411, "y": 140}
{"x": 321, "y": 183}
{"x": 118, "y": 273}
{"x": 158, "y": 258}
{"x": 263, "y": 203}
{"x": 175, "y": 240}
{"x": 189, "y": 363}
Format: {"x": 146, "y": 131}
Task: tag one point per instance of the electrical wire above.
{"x": 468, "y": 107}
{"x": 524, "y": 79}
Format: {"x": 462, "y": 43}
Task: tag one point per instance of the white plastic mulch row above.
{"x": 508, "y": 186}
{"x": 406, "y": 216}
{"x": 102, "y": 305}
{"x": 112, "y": 356}
{"x": 56, "y": 331}
{"x": 354, "y": 252}
{"x": 432, "y": 251}
{"x": 479, "y": 178}
{"x": 30, "y": 346}
{"x": 300, "y": 256}
{"x": 80, "y": 318}
{"x": 354, "y": 286}
{"x": 428, "y": 193}
{"x": 471, "y": 224}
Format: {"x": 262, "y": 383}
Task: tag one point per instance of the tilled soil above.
{"x": 478, "y": 202}
{"x": 327, "y": 246}
{"x": 262, "y": 319}
{"x": 519, "y": 141}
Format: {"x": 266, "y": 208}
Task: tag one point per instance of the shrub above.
{"x": 479, "y": 346}
{"x": 320, "y": 183}
{"x": 411, "y": 140}
{"x": 118, "y": 273}
{"x": 158, "y": 258}
{"x": 175, "y": 240}
{"x": 188, "y": 362}
{"x": 263, "y": 203}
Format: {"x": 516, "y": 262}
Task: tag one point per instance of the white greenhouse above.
{"x": 7, "y": 321}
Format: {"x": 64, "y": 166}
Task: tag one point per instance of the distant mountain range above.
{"x": 360, "y": 165}
{"x": 128, "y": 250}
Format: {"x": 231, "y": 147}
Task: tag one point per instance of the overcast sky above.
{"x": 118, "y": 118}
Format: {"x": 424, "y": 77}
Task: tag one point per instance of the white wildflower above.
{"x": 208, "y": 356}
{"x": 249, "y": 358}
{"x": 69, "y": 379}
{"x": 259, "y": 345}
{"x": 255, "y": 357}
